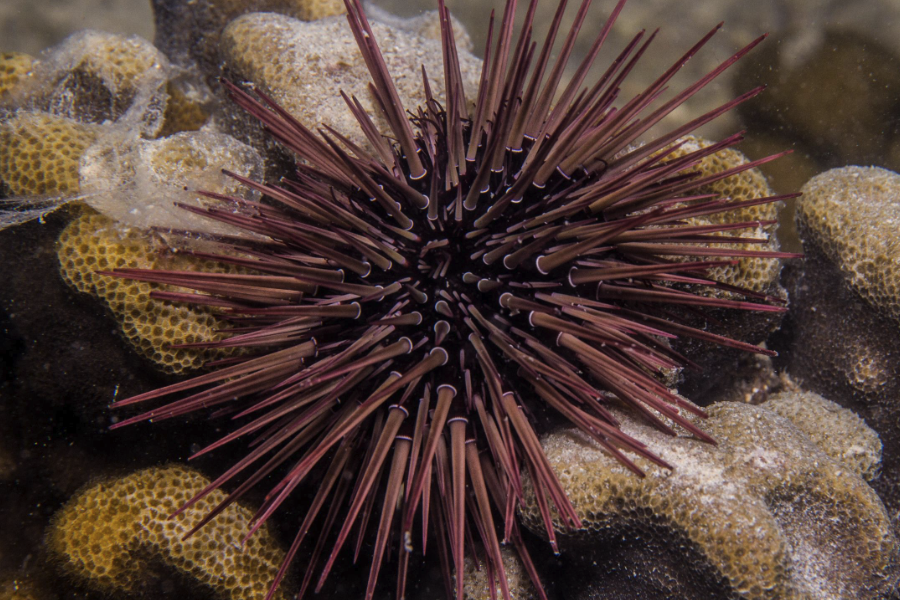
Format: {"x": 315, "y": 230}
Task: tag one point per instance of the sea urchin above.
{"x": 409, "y": 302}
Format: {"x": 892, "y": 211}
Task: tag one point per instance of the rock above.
{"x": 765, "y": 514}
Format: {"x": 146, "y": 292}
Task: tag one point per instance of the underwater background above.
{"x": 827, "y": 426}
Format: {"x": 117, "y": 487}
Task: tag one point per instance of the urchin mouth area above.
{"x": 451, "y": 266}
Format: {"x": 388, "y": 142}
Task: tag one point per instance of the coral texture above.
{"x": 109, "y": 535}
{"x": 14, "y": 68}
{"x": 839, "y": 432}
{"x": 753, "y": 273}
{"x": 320, "y": 59}
{"x": 476, "y": 579}
{"x": 138, "y": 182}
{"x": 842, "y": 336}
{"x": 851, "y": 215}
{"x": 765, "y": 514}
{"x": 97, "y": 77}
{"x": 92, "y": 243}
{"x": 39, "y": 153}
{"x": 189, "y": 32}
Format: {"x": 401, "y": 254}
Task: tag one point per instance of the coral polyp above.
{"x": 412, "y": 302}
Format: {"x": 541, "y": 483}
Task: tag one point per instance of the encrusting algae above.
{"x": 110, "y": 534}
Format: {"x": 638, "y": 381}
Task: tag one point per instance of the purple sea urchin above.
{"x": 411, "y": 299}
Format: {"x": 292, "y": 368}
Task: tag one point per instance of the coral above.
{"x": 112, "y": 533}
{"x": 312, "y": 10}
{"x": 98, "y": 77}
{"x": 14, "y": 68}
{"x": 93, "y": 242}
{"x": 765, "y": 514}
{"x": 39, "y": 153}
{"x": 519, "y": 584}
{"x": 320, "y": 59}
{"x": 838, "y": 431}
{"x": 754, "y": 273}
{"x": 851, "y": 215}
{"x": 183, "y": 113}
{"x": 189, "y": 32}
{"x": 841, "y": 337}
{"x": 723, "y": 369}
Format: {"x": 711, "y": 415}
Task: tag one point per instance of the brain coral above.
{"x": 111, "y": 534}
{"x": 766, "y": 514}
{"x": 92, "y": 243}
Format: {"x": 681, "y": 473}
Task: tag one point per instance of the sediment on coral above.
{"x": 324, "y": 61}
{"x": 838, "y": 431}
{"x": 761, "y": 515}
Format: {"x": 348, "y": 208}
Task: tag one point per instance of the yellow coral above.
{"x": 112, "y": 532}
{"x": 92, "y": 243}
{"x": 14, "y": 66}
{"x": 39, "y": 153}
{"x": 752, "y": 273}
